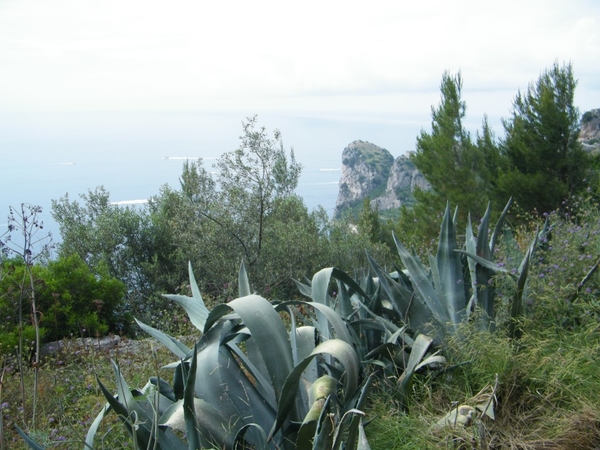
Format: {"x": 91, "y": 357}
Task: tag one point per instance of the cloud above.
{"x": 73, "y": 55}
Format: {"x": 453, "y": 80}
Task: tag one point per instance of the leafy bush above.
{"x": 70, "y": 300}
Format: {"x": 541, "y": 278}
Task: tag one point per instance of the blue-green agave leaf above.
{"x": 337, "y": 348}
{"x": 30, "y": 442}
{"x": 243, "y": 283}
{"x": 195, "y": 308}
{"x": 450, "y": 272}
{"x": 177, "y": 348}
{"x": 189, "y": 413}
{"x": 499, "y": 226}
{"x": 419, "y": 349}
{"x": 267, "y": 330}
{"x": 193, "y": 285}
{"x": 409, "y": 306}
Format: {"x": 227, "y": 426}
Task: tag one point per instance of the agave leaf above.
{"x": 195, "y": 308}
{"x": 306, "y": 341}
{"x": 93, "y": 429}
{"x": 326, "y": 316}
{"x": 30, "y": 442}
{"x": 193, "y": 285}
{"x": 172, "y": 344}
{"x": 410, "y": 307}
{"x": 320, "y": 286}
{"x": 214, "y": 430}
{"x": 471, "y": 246}
{"x": 268, "y": 331}
{"x": 363, "y": 444}
{"x": 436, "y": 361}
{"x": 120, "y": 409}
{"x": 304, "y": 289}
{"x": 482, "y": 290}
{"x": 243, "y": 283}
{"x": 264, "y": 390}
{"x": 352, "y": 416}
{"x": 337, "y": 348}
{"x": 435, "y": 273}
{"x": 450, "y": 272}
{"x": 164, "y": 388}
{"x": 419, "y": 349}
{"x": 483, "y": 245}
{"x": 259, "y": 435}
{"x": 189, "y": 414}
{"x": 209, "y": 385}
{"x": 516, "y": 309}
{"x": 499, "y": 225}
{"x": 323, "y": 439}
{"x": 344, "y": 301}
{"x": 422, "y": 284}
{"x": 359, "y": 399}
{"x": 484, "y": 262}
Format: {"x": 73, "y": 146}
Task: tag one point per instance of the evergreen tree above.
{"x": 458, "y": 169}
{"x": 543, "y": 162}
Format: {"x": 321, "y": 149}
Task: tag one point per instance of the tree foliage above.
{"x": 543, "y": 162}
{"x": 458, "y": 168}
{"x": 245, "y": 209}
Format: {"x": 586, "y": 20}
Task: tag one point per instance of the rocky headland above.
{"x": 370, "y": 171}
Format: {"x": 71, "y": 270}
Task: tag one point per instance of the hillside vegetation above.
{"x": 462, "y": 324}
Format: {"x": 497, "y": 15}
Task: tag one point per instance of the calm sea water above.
{"x": 46, "y": 155}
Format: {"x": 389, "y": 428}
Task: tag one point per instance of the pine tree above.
{"x": 544, "y": 163}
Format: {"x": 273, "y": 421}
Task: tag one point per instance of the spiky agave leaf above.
{"x": 419, "y": 349}
{"x": 137, "y": 414}
{"x": 451, "y": 288}
{"x": 194, "y": 306}
{"x": 243, "y": 283}
{"x": 340, "y": 350}
{"x": 30, "y": 442}
{"x": 177, "y": 348}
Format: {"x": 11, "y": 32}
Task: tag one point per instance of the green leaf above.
{"x": 320, "y": 285}
{"x": 30, "y": 442}
{"x": 194, "y": 307}
{"x": 191, "y": 427}
{"x": 91, "y": 433}
{"x": 243, "y": 283}
{"x": 499, "y": 226}
{"x": 193, "y": 285}
{"x": 411, "y": 308}
{"x": 323, "y": 439}
{"x": 419, "y": 349}
{"x": 267, "y": 330}
{"x": 450, "y": 272}
{"x": 172, "y": 344}
{"x": 337, "y": 348}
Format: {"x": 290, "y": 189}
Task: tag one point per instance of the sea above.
{"x": 45, "y": 155}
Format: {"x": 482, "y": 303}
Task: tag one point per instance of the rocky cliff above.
{"x": 371, "y": 171}
{"x": 590, "y": 131}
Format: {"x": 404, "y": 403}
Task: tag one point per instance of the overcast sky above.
{"x": 322, "y": 57}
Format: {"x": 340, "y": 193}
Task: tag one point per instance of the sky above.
{"x": 378, "y": 59}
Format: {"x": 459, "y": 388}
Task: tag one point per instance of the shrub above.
{"x": 70, "y": 299}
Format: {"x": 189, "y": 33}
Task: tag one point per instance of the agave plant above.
{"x": 249, "y": 382}
{"x": 458, "y": 282}
{"x": 378, "y": 335}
